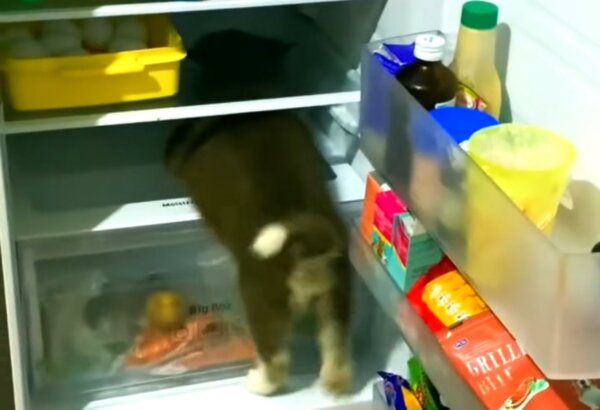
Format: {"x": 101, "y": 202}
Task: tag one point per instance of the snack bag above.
{"x": 451, "y": 299}
{"x": 496, "y": 367}
{"x": 415, "y": 294}
{"x": 424, "y": 390}
{"x": 397, "y": 393}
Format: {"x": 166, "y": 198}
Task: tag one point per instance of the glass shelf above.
{"x": 314, "y": 73}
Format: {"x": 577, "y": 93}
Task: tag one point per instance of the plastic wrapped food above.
{"x": 205, "y": 340}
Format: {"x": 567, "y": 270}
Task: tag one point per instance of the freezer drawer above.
{"x": 148, "y": 307}
{"x": 547, "y": 294}
{"x": 92, "y": 335}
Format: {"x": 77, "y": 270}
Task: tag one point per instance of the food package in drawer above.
{"x": 113, "y": 323}
{"x": 66, "y": 64}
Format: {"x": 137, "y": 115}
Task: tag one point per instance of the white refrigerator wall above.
{"x": 409, "y": 16}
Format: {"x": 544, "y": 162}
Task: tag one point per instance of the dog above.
{"x": 257, "y": 181}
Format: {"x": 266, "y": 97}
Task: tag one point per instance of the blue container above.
{"x": 461, "y": 123}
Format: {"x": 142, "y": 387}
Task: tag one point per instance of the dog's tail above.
{"x": 307, "y": 235}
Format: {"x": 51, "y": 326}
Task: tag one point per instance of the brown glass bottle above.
{"x": 427, "y": 79}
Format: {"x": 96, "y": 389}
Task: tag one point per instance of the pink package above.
{"x": 387, "y": 205}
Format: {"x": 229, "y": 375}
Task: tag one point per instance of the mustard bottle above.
{"x": 474, "y": 61}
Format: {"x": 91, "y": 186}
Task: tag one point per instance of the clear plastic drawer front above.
{"x": 548, "y": 298}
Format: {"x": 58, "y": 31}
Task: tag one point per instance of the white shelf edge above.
{"x": 163, "y": 7}
{"x": 231, "y": 394}
{"x": 347, "y": 187}
{"x": 177, "y": 113}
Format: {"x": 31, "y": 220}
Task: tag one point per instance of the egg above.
{"x": 56, "y": 43}
{"x": 166, "y": 310}
{"x": 65, "y": 27}
{"x": 125, "y": 44}
{"x": 75, "y": 51}
{"x": 131, "y": 28}
{"x": 96, "y": 34}
{"x": 27, "y": 48}
{"x": 17, "y": 33}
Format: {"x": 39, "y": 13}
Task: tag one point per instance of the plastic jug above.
{"x": 530, "y": 164}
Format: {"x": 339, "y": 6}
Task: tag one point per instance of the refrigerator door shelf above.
{"x": 546, "y": 294}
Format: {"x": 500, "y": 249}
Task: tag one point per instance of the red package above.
{"x": 578, "y": 394}
{"x": 387, "y": 206}
{"x": 496, "y": 367}
{"x": 415, "y": 294}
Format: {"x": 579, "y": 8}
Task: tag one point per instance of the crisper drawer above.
{"x": 90, "y": 305}
{"x": 545, "y": 290}
{"x": 118, "y": 311}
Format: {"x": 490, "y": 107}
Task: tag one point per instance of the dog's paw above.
{"x": 257, "y": 382}
{"x": 337, "y": 378}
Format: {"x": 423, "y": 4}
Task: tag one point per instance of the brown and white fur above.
{"x": 257, "y": 180}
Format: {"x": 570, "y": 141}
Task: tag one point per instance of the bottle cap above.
{"x": 479, "y": 15}
{"x": 430, "y": 47}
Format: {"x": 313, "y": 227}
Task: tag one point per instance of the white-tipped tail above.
{"x": 270, "y": 240}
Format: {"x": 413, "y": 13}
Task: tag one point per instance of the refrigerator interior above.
{"x": 86, "y": 299}
{"x": 87, "y": 267}
{"x": 53, "y": 204}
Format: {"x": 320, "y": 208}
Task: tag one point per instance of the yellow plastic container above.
{"x": 108, "y": 78}
{"x": 530, "y": 164}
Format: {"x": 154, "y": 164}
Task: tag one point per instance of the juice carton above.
{"x": 400, "y": 241}
{"x": 387, "y": 206}
{"x": 416, "y": 251}
{"x": 496, "y": 367}
{"x": 375, "y": 185}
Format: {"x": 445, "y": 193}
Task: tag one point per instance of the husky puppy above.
{"x": 257, "y": 180}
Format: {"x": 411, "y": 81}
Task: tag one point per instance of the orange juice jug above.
{"x": 474, "y": 61}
